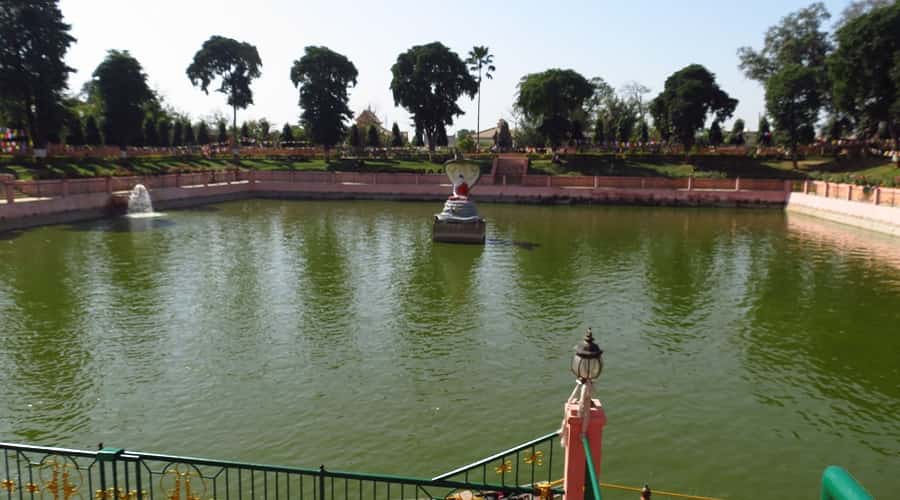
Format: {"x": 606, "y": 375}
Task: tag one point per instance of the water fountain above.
{"x": 139, "y": 203}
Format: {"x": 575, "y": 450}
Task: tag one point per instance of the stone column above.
{"x": 576, "y": 476}
{"x": 691, "y": 183}
{"x": 10, "y": 193}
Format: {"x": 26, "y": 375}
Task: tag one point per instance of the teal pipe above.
{"x": 838, "y": 484}
{"x": 595, "y": 484}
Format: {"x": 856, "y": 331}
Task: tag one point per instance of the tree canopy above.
{"x": 354, "y": 138}
{"x": 203, "y": 134}
{"x": 323, "y": 77}
{"x": 151, "y": 137}
{"x": 551, "y": 98}
{"x": 74, "y": 132}
{"x": 287, "y": 134}
{"x": 715, "y": 133}
{"x": 222, "y": 132}
{"x": 797, "y": 39}
{"x": 794, "y": 53}
{"x": 188, "y": 131}
{"x": 396, "y": 137}
{"x": 736, "y": 137}
{"x": 92, "y": 132}
{"x": 236, "y": 63}
{"x": 865, "y": 69}
{"x": 427, "y": 82}
{"x": 33, "y": 75}
{"x": 177, "y": 133}
{"x": 504, "y": 140}
{"x": 373, "y": 137}
{"x": 793, "y": 101}
{"x": 164, "y": 132}
{"x": 689, "y": 96}
{"x": 122, "y": 86}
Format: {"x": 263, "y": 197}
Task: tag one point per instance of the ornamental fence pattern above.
{"x": 34, "y": 472}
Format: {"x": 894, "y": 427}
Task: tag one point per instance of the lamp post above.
{"x": 587, "y": 364}
{"x": 583, "y": 418}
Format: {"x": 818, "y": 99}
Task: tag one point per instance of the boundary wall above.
{"x": 34, "y": 203}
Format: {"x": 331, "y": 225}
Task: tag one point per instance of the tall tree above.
{"x": 323, "y": 77}
{"x": 793, "y": 101}
{"x": 599, "y": 132}
{"x": 222, "y": 132}
{"x": 74, "y": 131}
{"x": 481, "y": 61}
{"x": 33, "y": 45}
{"x": 689, "y": 96}
{"x": 151, "y": 137}
{"x": 865, "y": 70}
{"x": 736, "y": 138}
{"x": 177, "y": 133}
{"x": 427, "y": 81}
{"x": 504, "y": 137}
{"x": 373, "y": 138}
{"x": 396, "y": 138}
{"x": 799, "y": 40}
{"x": 715, "y": 133}
{"x": 264, "y": 130}
{"x": 122, "y": 86}
{"x": 354, "y": 137}
{"x": 164, "y": 132}
{"x": 643, "y": 132}
{"x": 634, "y": 93}
{"x": 245, "y": 133}
{"x": 202, "y": 133}
{"x": 188, "y": 132}
{"x": 287, "y": 134}
{"x": 236, "y": 63}
{"x": 764, "y": 132}
{"x": 92, "y": 132}
{"x": 551, "y": 98}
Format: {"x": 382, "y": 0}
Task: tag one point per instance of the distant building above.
{"x": 486, "y": 137}
{"x": 367, "y": 118}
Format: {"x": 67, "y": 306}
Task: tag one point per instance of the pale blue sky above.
{"x": 644, "y": 41}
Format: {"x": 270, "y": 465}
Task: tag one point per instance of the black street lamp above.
{"x": 588, "y": 360}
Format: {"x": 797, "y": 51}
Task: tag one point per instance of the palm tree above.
{"x": 480, "y": 60}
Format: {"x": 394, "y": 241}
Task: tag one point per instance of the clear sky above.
{"x": 621, "y": 41}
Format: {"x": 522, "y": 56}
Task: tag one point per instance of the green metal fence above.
{"x": 533, "y": 462}
{"x": 32, "y": 472}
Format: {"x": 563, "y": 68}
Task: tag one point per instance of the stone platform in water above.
{"x": 458, "y": 232}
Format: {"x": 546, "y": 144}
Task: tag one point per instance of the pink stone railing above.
{"x": 70, "y": 187}
{"x": 863, "y": 194}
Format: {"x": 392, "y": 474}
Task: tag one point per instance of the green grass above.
{"x": 860, "y": 171}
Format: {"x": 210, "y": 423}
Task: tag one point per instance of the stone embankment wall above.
{"x": 34, "y": 203}
{"x": 876, "y": 209}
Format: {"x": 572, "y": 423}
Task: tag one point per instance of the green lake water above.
{"x": 745, "y": 349}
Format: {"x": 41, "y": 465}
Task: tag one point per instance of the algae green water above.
{"x": 745, "y": 350}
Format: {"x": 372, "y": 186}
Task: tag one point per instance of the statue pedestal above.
{"x": 458, "y": 232}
